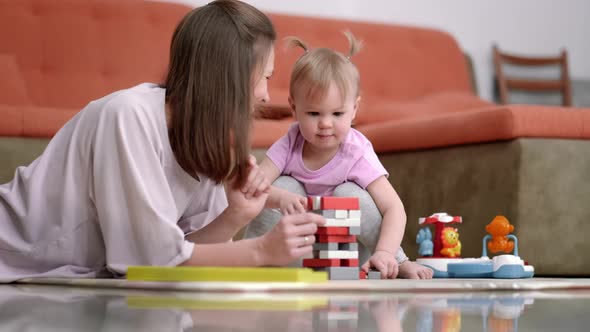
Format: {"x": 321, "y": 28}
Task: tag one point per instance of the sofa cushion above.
{"x": 434, "y": 104}
{"x": 265, "y": 132}
{"x": 13, "y": 90}
{"x": 12, "y": 120}
{"x": 33, "y": 121}
{"x": 71, "y": 52}
{"x": 486, "y": 124}
{"x": 396, "y": 63}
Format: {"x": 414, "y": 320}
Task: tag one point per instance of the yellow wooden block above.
{"x": 236, "y": 274}
{"x": 298, "y": 304}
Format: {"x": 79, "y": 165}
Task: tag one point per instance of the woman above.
{"x": 157, "y": 175}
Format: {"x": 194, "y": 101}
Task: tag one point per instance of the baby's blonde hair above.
{"x": 318, "y": 68}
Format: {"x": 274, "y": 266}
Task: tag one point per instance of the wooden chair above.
{"x": 505, "y": 83}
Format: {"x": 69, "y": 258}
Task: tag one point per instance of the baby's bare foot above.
{"x": 413, "y": 270}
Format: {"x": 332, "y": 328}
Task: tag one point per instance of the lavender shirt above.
{"x": 355, "y": 161}
{"x": 106, "y": 193}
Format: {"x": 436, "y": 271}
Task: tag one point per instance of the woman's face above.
{"x": 261, "y": 85}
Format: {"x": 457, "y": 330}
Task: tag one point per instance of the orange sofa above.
{"x": 448, "y": 150}
{"x": 445, "y": 148}
{"x": 415, "y": 82}
{"x": 56, "y": 56}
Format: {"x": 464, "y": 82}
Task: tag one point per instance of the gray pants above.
{"x": 370, "y": 217}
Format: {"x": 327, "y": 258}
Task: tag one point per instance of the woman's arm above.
{"x": 290, "y": 239}
{"x": 221, "y": 229}
{"x": 244, "y": 204}
{"x": 246, "y": 252}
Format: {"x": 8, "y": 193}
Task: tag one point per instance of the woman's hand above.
{"x": 384, "y": 262}
{"x": 290, "y": 239}
{"x": 292, "y": 203}
{"x": 247, "y": 201}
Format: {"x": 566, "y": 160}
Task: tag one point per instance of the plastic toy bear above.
{"x": 424, "y": 239}
{"x": 498, "y": 229}
{"x": 450, "y": 241}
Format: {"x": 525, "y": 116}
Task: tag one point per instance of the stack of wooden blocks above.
{"x": 336, "y": 249}
{"x": 341, "y": 314}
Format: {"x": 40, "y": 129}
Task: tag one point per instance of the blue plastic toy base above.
{"x": 508, "y": 266}
{"x": 438, "y": 273}
{"x": 512, "y": 272}
{"x": 471, "y": 270}
{"x": 478, "y": 269}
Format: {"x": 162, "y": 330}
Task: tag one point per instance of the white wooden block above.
{"x": 354, "y": 214}
{"x": 342, "y": 223}
{"x": 342, "y": 254}
{"x": 340, "y": 214}
{"x": 339, "y": 315}
{"x": 355, "y": 220}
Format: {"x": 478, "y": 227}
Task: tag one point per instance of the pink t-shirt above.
{"x": 355, "y": 161}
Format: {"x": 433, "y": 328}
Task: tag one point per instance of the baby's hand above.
{"x": 292, "y": 204}
{"x": 256, "y": 184}
{"x": 247, "y": 201}
{"x": 383, "y": 261}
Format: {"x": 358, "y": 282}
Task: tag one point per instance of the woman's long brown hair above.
{"x": 216, "y": 52}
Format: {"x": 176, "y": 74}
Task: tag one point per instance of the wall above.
{"x": 528, "y": 26}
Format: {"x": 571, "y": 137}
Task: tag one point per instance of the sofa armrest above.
{"x": 13, "y": 90}
{"x": 478, "y": 125}
{"x": 272, "y": 112}
{"x": 12, "y": 120}
{"x": 277, "y": 108}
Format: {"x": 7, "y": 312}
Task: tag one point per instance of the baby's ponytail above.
{"x": 355, "y": 44}
{"x": 293, "y": 41}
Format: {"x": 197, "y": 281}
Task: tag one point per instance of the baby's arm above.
{"x": 286, "y": 201}
{"x": 392, "y": 226}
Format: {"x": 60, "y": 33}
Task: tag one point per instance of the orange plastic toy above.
{"x": 498, "y": 229}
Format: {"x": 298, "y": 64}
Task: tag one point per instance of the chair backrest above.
{"x": 562, "y": 84}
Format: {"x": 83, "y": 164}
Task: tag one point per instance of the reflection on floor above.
{"x": 31, "y": 308}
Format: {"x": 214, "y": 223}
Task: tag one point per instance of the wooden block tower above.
{"x": 336, "y": 249}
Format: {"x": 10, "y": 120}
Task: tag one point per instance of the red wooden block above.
{"x": 335, "y": 238}
{"x": 332, "y": 231}
{"x": 349, "y": 262}
{"x": 318, "y": 262}
{"x": 362, "y": 274}
{"x": 340, "y": 203}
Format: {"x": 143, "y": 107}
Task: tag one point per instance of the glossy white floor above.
{"x": 69, "y": 308}
{"x": 397, "y": 285}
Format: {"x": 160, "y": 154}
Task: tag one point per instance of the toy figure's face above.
{"x": 499, "y": 226}
{"x": 450, "y": 236}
